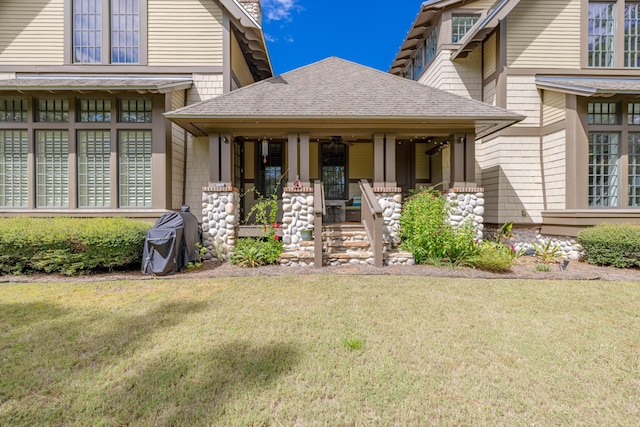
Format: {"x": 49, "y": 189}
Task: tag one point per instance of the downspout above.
{"x": 184, "y": 159}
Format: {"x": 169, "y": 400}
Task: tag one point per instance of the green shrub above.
{"x": 250, "y": 252}
{"x": 69, "y": 245}
{"x": 548, "y": 252}
{"x": 427, "y": 235}
{"x": 494, "y": 257}
{"x": 256, "y": 252}
{"x": 617, "y": 245}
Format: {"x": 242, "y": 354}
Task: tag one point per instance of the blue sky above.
{"x": 370, "y": 32}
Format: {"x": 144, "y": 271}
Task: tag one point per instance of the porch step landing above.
{"x": 345, "y": 244}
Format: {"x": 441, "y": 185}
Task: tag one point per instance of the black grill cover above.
{"x": 171, "y": 244}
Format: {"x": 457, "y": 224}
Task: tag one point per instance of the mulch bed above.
{"x": 525, "y": 268}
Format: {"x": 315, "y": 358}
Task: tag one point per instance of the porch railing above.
{"x": 372, "y": 221}
{"x": 319, "y": 209}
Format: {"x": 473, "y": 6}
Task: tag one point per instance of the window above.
{"x": 135, "y": 168}
{"x": 611, "y": 136}
{"x": 604, "y": 166}
{"x": 269, "y": 167}
{"x": 13, "y": 168}
{"x": 460, "y": 25}
{"x": 94, "y": 169}
{"x": 106, "y": 31}
{"x": 423, "y": 55}
{"x": 112, "y": 152}
{"x": 52, "y": 168}
{"x": 632, "y": 34}
{"x": 607, "y": 40}
{"x": 13, "y": 110}
{"x": 334, "y": 170}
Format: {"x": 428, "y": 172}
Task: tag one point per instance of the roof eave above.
{"x": 498, "y": 13}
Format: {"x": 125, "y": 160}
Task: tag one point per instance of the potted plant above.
{"x": 306, "y": 234}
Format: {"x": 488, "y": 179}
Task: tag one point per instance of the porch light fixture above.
{"x": 265, "y": 150}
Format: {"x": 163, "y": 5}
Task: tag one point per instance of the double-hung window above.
{"x": 107, "y": 31}
{"x": 613, "y": 33}
{"x": 614, "y": 154}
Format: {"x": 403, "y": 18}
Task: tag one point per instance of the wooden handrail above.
{"x": 372, "y": 220}
{"x": 319, "y": 209}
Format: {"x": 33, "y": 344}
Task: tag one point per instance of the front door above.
{"x": 333, "y": 170}
{"x": 405, "y": 166}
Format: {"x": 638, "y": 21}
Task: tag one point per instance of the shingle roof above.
{"x": 74, "y": 84}
{"x": 586, "y": 86}
{"x": 335, "y": 87}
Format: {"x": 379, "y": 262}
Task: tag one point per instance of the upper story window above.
{"x": 423, "y": 56}
{"x": 106, "y": 31}
{"x": 609, "y": 44}
{"x": 460, "y": 25}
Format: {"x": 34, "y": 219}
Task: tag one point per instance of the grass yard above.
{"x": 320, "y": 350}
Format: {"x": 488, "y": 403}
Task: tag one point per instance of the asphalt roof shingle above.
{"x": 335, "y": 87}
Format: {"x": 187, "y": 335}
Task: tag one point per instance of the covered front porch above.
{"x": 336, "y": 142}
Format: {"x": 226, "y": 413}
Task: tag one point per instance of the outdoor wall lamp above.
{"x": 265, "y": 150}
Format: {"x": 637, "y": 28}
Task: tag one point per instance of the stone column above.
{"x": 220, "y": 209}
{"x": 297, "y": 207}
{"x": 467, "y": 204}
{"x": 390, "y": 199}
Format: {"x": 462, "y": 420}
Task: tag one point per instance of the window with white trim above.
{"x": 106, "y": 31}
{"x": 611, "y": 45}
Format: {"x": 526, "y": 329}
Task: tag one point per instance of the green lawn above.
{"x": 320, "y": 350}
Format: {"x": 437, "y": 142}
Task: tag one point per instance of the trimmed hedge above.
{"x": 69, "y": 245}
{"x": 617, "y": 245}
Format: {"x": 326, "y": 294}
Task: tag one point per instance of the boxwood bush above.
{"x": 69, "y": 245}
{"x": 617, "y": 245}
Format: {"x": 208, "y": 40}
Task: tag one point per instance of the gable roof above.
{"x": 343, "y": 92}
{"x": 424, "y": 22}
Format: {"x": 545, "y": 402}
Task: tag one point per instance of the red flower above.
{"x": 275, "y": 225}
{"x": 276, "y": 238}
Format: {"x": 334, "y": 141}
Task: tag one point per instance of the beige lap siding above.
{"x": 185, "y": 32}
{"x": 31, "y": 32}
{"x": 554, "y": 166}
{"x": 462, "y": 77}
{"x": 544, "y": 34}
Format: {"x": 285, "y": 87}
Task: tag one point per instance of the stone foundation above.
{"x": 220, "y": 209}
{"x": 525, "y": 237}
{"x": 467, "y": 205}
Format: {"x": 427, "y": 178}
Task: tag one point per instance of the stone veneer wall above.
{"x": 467, "y": 204}
{"x": 525, "y": 237}
{"x": 297, "y": 214}
{"x": 390, "y": 200}
{"x": 220, "y": 209}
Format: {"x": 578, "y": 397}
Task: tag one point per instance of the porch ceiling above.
{"x": 333, "y": 97}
